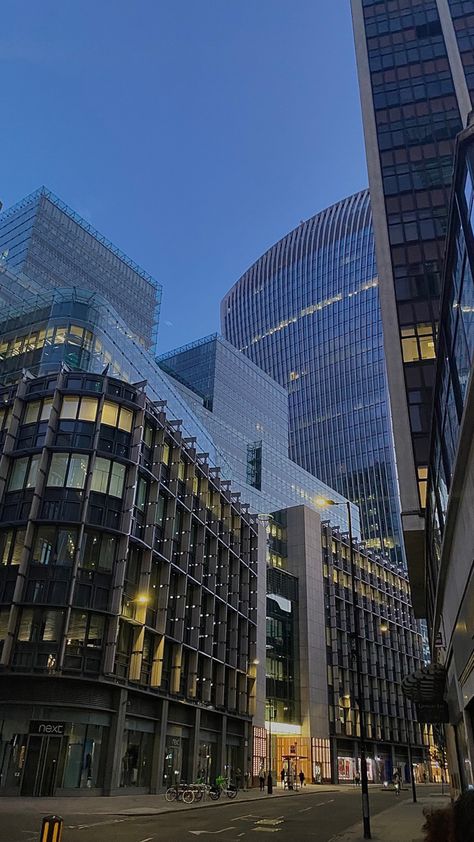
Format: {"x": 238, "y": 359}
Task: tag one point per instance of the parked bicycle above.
{"x": 223, "y": 785}
{"x": 180, "y": 792}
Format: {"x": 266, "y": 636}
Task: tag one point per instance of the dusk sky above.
{"x": 192, "y": 133}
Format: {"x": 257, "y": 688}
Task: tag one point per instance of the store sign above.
{"x": 436, "y": 712}
{"x": 47, "y": 729}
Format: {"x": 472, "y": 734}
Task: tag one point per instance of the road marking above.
{"x": 148, "y": 839}
{"x": 199, "y": 832}
{"x": 306, "y": 809}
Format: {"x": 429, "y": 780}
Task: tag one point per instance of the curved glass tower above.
{"x": 308, "y": 313}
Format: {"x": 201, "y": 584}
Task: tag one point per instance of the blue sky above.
{"x": 192, "y": 133}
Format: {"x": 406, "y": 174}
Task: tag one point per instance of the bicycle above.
{"x": 180, "y": 792}
{"x": 223, "y": 785}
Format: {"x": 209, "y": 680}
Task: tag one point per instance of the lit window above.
{"x": 109, "y": 413}
{"x": 68, "y": 470}
{"x": 100, "y": 475}
{"x": 88, "y": 409}
{"x": 422, "y": 484}
{"x": 125, "y": 420}
{"x": 76, "y": 475}
{"x": 418, "y": 343}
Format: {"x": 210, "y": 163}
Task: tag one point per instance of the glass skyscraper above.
{"x": 53, "y": 246}
{"x": 308, "y": 313}
{"x": 415, "y": 66}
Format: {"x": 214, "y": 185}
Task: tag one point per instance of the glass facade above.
{"x": 308, "y": 313}
{"x": 54, "y": 247}
{"x": 246, "y": 414}
{"x": 139, "y": 607}
{"x": 417, "y": 118}
{"x": 456, "y": 361}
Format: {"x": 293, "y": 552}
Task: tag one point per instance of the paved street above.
{"x": 303, "y": 816}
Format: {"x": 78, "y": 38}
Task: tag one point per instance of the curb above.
{"x": 201, "y": 806}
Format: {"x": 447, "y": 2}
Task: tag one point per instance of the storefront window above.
{"x": 207, "y": 762}
{"x": 136, "y": 759}
{"x": 82, "y": 765}
{"x": 178, "y": 762}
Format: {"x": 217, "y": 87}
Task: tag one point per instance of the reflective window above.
{"x": 84, "y": 409}
{"x": 11, "y": 545}
{"x": 117, "y": 416}
{"x": 23, "y": 473}
{"x": 108, "y": 477}
{"x": 68, "y": 469}
{"x": 98, "y": 550}
{"x": 54, "y": 546}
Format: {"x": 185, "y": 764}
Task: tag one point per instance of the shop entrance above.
{"x": 43, "y": 765}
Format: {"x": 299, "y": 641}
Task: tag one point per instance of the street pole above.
{"x": 412, "y": 772}
{"x": 360, "y": 688}
{"x": 270, "y": 779}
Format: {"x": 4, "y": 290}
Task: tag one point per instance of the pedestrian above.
{"x": 301, "y": 777}
{"x": 357, "y": 779}
{"x": 238, "y": 778}
{"x": 261, "y": 777}
{"x": 282, "y": 776}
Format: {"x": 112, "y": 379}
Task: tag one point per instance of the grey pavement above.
{"x": 142, "y": 805}
{"x": 400, "y": 823}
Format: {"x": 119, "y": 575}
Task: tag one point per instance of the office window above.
{"x": 36, "y": 625}
{"x": 108, "y": 477}
{"x": 11, "y": 545}
{"x": 117, "y": 416}
{"x": 100, "y": 475}
{"x": 67, "y": 469}
{"x": 23, "y": 473}
{"x": 117, "y": 477}
{"x": 54, "y": 546}
{"x": 98, "y": 550}
{"x": 418, "y": 343}
{"x": 73, "y": 407}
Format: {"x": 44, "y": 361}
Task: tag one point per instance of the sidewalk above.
{"x": 140, "y": 805}
{"x": 402, "y": 823}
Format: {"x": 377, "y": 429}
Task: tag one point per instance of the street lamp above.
{"x": 322, "y": 502}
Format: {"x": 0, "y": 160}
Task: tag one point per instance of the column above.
{"x": 222, "y": 745}
{"x": 113, "y": 765}
{"x": 195, "y": 743}
{"x": 159, "y": 747}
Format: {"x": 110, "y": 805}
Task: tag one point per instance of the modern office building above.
{"x": 246, "y": 413}
{"x": 128, "y": 595}
{"x": 54, "y": 247}
{"x": 81, "y": 330}
{"x": 311, "y": 681}
{"x": 450, "y": 502}
{"x": 308, "y": 591}
{"x": 415, "y": 64}
{"x": 308, "y": 313}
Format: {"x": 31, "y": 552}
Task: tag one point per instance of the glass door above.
{"x": 42, "y": 770}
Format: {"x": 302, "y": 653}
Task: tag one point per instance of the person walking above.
{"x": 301, "y": 777}
{"x": 261, "y": 777}
{"x": 357, "y": 778}
{"x": 282, "y": 776}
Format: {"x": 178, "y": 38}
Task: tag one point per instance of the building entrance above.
{"x": 43, "y": 765}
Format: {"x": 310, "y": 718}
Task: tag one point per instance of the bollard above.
{"x": 51, "y": 829}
